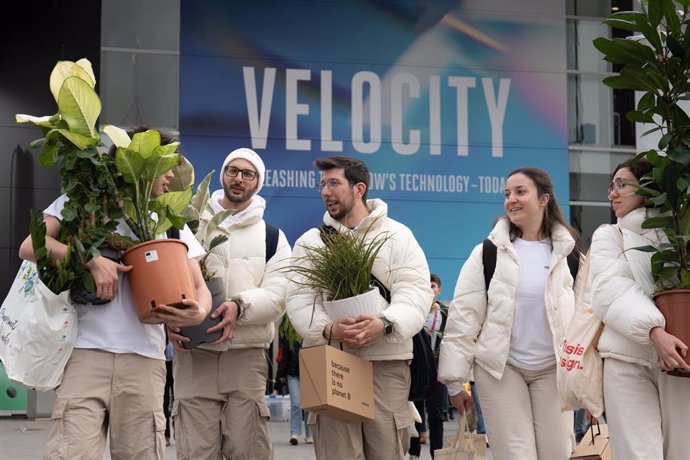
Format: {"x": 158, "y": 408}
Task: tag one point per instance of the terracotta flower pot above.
{"x": 675, "y": 306}
{"x": 160, "y": 275}
{"x": 369, "y": 303}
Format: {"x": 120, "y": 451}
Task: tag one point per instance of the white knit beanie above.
{"x": 252, "y": 157}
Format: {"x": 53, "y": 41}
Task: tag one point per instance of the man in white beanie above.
{"x": 219, "y": 409}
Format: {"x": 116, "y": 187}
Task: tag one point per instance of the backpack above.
{"x": 272, "y": 234}
{"x": 489, "y": 261}
{"x": 423, "y": 366}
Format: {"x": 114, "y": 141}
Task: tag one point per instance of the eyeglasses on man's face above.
{"x": 329, "y": 184}
{"x": 247, "y": 174}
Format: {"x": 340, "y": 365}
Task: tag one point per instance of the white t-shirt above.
{"x": 114, "y": 326}
{"x": 531, "y": 340}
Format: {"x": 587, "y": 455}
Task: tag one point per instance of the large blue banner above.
{"x": 440, "y": 98}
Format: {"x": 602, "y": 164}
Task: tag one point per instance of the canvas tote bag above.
{"x": 580, "y": 368}
{"x": 461, "y": 446}
{"x": 37, "y": 331}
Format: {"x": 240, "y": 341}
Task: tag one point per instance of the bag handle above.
{"x": 463, "y": 437}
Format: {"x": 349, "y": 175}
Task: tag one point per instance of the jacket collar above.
{"x": 252, "y": 214}
{"x": 633, "y": 221}
{"x": 561, "y": 239}
{"x": 378, "y": 211}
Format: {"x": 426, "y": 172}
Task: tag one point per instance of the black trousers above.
{"x": 433, "y": 406}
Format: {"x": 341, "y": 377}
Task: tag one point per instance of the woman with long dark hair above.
{"x": 509, "y": 334}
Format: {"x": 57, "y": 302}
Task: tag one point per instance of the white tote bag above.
{"x": 37, "y": 331}
{"x": 580, "y": 368}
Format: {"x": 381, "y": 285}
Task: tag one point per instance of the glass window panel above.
{"x": 153, "y": 24}
{"x": 586, "y": 219}
{"x": 582, "y": 55}
{"x": 590, "y": 173}
{"x": 140, "y": 89}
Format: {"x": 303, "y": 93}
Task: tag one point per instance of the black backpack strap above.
{"x": 272, "y": 234}
{"x": 173, "y": 232}
{"x": 574, "y": 263}
{"x": 489, "y": 261}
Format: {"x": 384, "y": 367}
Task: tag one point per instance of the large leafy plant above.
{"x": 341, "y": 267}
{"x": 70, "y": 139}
{"x": 139, "y": 162}
{"x": 656, "y": 62}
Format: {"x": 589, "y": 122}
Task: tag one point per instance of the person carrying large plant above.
{"x": 384, "y": 338}
{"x": 642, "y": 259}
{"x": 114, "y": 378}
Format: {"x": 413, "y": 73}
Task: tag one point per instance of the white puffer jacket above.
{"x": 401, "y": 266}
{"x": 622, "y": 285}
{"x": 478, "y": 331}
{"x": 241, "y": 262}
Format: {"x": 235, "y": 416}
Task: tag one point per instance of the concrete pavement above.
{"x": 22, "y": 439}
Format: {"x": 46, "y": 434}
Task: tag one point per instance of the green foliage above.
{"x": 341, "y": 267}
{"x": 656, "y": 62}
{"x": 140, "y": 163}
{"x": 196, "y": 207}
{"x": 287, "y": 331}
{"x": 87, "y": 174}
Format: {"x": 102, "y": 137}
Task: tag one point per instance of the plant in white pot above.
{"x": 655, "y": 61}
{"x": 340, "y": 272}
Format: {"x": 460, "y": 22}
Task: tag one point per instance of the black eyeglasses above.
{"x": 247, "y": 174}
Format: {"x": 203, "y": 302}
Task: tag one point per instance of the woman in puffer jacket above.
{"x": 511, "y": 333}
{"x": 648, "y": 411}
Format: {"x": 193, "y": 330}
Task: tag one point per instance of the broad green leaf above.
{"x": 49, "y": 154}
{"x": 118, "y": 136}
{"x": 650, "y": 32}
{"x": 145, "y": 142}
{"x": 622, "y": 24}
{"x": 202, "y": 194}
{"x": 156, "y": 166}
{"x": 61, "y": 71}
{"x": 639, "y": 117}
{"x": 658, "y": 222}
{"x": 216, "y": 220}
{"x": 39, "y": 121}
{"x": 663, "y": 142}
{"x": 184, "y": 176}
{"x": 129, "y": 163}
{"x": 646, "y": 101}
{"x": 85, "y": 64}
{"x": 216, "y": 241}
{"x": 79, "y": 106}
{"x": 80, "y": 141}
{"x": 655, "y": 12}
{"x": 176, "y": 201}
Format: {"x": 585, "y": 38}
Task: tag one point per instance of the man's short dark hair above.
{"x": 436, "y": 279}
{"x": 355, "y": 170}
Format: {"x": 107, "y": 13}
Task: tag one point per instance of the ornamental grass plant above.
{"x": 341, "y": 268}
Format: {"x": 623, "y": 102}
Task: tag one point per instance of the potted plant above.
{"x": 656, "y": 62}
{"x": 160, "y": 274}
{"x": 203, "y": 233}
{"x": 87, "y": 172}
{"x": 340, "y": 272}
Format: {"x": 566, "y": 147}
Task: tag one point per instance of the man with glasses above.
{"x": 219, "y": 411}
{"x": 384, "y": 339}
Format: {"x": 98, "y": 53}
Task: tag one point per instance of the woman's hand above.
{"x": 670, "y": 349}
{"x": 462, "y": 401}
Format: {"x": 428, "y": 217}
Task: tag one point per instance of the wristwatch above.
{"x": 387, "y": 326}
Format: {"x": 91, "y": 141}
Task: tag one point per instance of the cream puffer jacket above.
{"x": 241, "y": 263}
{"x": 622, "y": 285}
{"x": 401, "y": 266}
{"x": 478, "y": 330}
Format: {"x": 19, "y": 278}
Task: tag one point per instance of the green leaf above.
{"x": 130, "y": 164}
{"x": 145, "y": 143}
{"x": 118, "y": 136}
{"x": 176, "y": 201}
{"x": 621, "y": 51}
{"x": 202, "y": 194}
{"x": 647, "y": 101}
{"x": 658, "y": 222}
{"x": 655, "y": 12}
{"x": 639, "y": 117}
{"x": 49, "y": 155}
{"x": 649, "y": 32}
{"x": 79, "y": 141}
{"x": 663, "y": 142}
{"x": 183, "y": 176}
{"x": 79, "y": 106}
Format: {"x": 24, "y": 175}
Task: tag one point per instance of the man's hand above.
{"x": 176, "y": 339}
{"x": 462, "y": 401}
{"x": 105, "y": 273}
{"x": 362, "y": 331}
{"x": 670, "y": 349}
{"x": 229, "y": 310}
{"x": 174, "y": 317}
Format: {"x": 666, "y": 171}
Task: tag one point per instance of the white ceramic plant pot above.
{"x": 369, "y": 303}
